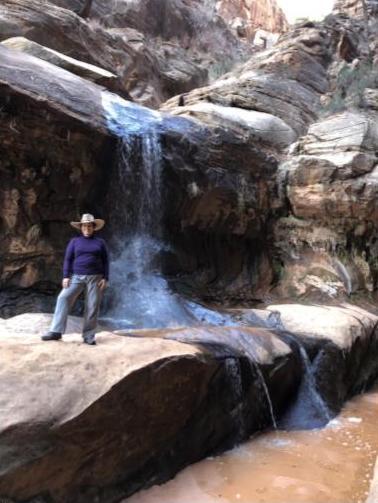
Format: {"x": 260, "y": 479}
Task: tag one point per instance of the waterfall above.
{"x": 141, "y": 296}
{"x": 309, "y": 409}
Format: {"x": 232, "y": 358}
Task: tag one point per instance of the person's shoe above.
{"x": 89, "y": 341}
{"x": 52, "y": 336}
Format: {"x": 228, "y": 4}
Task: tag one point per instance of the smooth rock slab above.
{"x": 95, "y": 423}
{"x": 85, "y": 70}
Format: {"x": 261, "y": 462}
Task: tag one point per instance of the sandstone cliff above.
{"x": 248, "y": 16}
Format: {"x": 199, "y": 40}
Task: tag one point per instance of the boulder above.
{"x": 261, "y": 127}
{"x": 86, "y": 424}
{"x": 338, "y": 344}
{"x": 334, "y": 174}
{"x": 370, "y": 98}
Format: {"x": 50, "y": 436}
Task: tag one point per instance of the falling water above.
{"x": 309, "y": 409}
{"x": 309, "y": 378}
{"x": 141, "y": 296}
{"x": 235, "y": 379}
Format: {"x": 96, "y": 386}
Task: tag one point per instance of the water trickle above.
{"x": 235, "y": 379}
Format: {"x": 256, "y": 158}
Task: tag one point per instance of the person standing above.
{"x": 85, "y": 269}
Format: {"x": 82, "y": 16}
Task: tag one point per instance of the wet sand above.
{"x": 334, "y": 464}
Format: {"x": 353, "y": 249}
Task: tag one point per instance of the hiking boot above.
{"x": 90, "y": 341}
{"x": 52, "y": 336}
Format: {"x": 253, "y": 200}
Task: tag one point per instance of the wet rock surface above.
{"x": 187, "y": 392}
{"x": 101, "y": 422}
{"x": 342, "y": 344}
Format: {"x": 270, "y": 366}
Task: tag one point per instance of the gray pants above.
{"x": 67, "y": 298}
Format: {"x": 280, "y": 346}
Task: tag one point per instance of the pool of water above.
{"x": 333, "y": 464}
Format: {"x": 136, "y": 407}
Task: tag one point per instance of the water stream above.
{"x": 330, "y": 465}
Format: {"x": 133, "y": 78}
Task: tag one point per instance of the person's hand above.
{"x": 102, "y": 284}
{"x": 66, "y": 282}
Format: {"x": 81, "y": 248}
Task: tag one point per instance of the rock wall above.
{"x": 327, "y": 67}
{"x": 235, "y": 212}
{"x": 148, "y": 73}
{"x": 52, "y": 167}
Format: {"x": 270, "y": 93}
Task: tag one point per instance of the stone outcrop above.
{"x": 329, "y": 242}
{"x": 325, "y": 243}
{"x": 76, "y": 156}
{"x": 96, "y": 424}
{"x": 269, "y": 101}
{"x": 356, "y": 8}
{"x": 341, "y": 342}
{"x": 175, "y": 32}
{"x": 222, "y": 201}
{"x": 338, "y": 345}
{"x": 285, "y": 81}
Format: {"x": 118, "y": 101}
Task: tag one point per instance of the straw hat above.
{"x": 87, "y": 218}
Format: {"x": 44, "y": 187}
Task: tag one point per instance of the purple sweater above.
{"x": 86, "y": 256}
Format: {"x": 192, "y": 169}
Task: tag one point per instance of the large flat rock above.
{"x": 342, "y": 325}
{"x": 83, "y": 423}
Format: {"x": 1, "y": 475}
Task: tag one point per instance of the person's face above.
{"x": 87, "y": 230}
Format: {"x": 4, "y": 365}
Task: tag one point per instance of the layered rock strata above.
{"x": 148, "y": 74}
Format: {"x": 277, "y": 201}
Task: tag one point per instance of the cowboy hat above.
{"x": 87, "y": 218}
